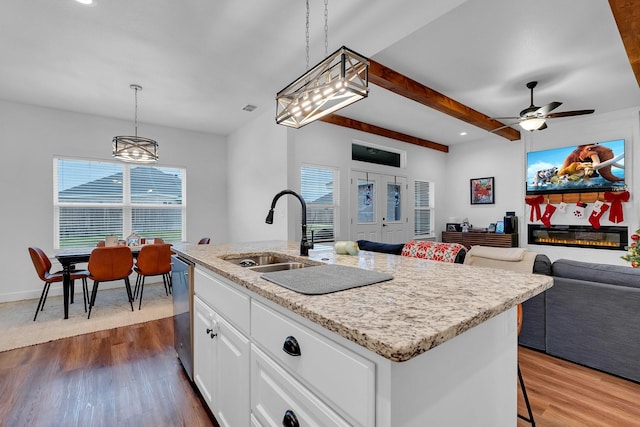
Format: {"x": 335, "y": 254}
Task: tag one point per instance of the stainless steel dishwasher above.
{"x": 182, "y": 280}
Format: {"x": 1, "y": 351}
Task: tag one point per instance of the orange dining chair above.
{"x": 107, "y": 264}
{"x": 204, "y": 241}
{"x": 156, "y": 240}
{"x": 43, "y": 267}
{"x": 153, "y": 260}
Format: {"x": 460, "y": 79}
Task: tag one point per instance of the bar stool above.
{"x": 522, "y": 387}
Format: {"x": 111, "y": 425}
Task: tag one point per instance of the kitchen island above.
{"x": 437, "y": 345}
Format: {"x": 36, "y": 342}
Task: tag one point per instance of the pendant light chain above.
{"x": 326, "y": 28}
{"x": 307, "y": 35}
{"x": 136, "y": 111}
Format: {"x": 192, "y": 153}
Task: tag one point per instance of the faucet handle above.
{"x": 311, "y": 244}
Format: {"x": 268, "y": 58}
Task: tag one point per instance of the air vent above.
{"x": 249, "y": 108}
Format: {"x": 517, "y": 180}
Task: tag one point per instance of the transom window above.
{"x": 95, "y": 199}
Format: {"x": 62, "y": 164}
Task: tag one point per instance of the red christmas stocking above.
{"x": 534, "y": 202}
{"x": 595, "y": 216}
{"x": 546, "y": 217}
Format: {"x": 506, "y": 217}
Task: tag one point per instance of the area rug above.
{"x": 111, "y": 310}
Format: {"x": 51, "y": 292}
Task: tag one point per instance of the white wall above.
{"x": 329, "y": 145}
{"x": 506, "y": 161}
{"x": 32, "y": 136}
{"x": 257, "y": 164}
{"x": 265, "y": 158}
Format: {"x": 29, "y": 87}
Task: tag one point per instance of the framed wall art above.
{"x": 482, "y": 191}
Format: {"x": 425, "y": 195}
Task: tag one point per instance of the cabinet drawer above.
{"x": 344, "y": 379}
{"x": 233, "y": 305}
{"x": 274, "y": 392}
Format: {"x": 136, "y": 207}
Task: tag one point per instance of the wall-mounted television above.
{"x": 577, "y": 169}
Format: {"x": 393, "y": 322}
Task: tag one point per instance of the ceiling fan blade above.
{"x": 505, "y": 126}
{"x": 504, "y": 118}
{"x": 546, "y": 109}
{"x": 569, "y": 113}
{"x": 543, "y": 127}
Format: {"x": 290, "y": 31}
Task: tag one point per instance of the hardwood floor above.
{"x": 563, "y": 394}
{"x": 131, "y": 377}
{"x": 126, "y": 376}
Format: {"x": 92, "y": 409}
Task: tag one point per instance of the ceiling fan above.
{"x": 534, "y": 118}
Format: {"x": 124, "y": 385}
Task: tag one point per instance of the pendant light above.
{"x": 342, "y": 78}
{"x": 135, "y": 149}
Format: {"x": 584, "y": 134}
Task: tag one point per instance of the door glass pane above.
{"x": 394, "y": 209}
{"x": 366, "y": 201}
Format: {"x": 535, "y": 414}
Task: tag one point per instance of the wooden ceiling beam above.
{"x": 377, "y": 130}
{"x": 400, "y": 84}
{"x": 627, "y": 16}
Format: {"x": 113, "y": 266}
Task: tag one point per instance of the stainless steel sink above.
{"x": 278, "y": 267}
{"x": 256, "y": 260}
{"x": 266, "y": 262}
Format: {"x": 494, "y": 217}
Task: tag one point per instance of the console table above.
{"x": 471, "y": 238}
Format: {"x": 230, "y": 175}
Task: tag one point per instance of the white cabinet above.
{"x": 341, "y": 378}
{"x": 247, "y": 370}
{"x": 278, "y": 399}
{"x": 221, "y": 360}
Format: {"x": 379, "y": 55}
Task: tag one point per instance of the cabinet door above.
{"x": 232, "y": 405}
{"x": 204, "y": 351}
{"x": 221, "y": 366}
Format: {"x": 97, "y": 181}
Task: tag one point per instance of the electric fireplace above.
{"x": 579, "y": 236}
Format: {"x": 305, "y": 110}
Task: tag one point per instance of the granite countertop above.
{"x": 426, "y": 304}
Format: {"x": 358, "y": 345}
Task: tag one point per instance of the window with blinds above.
{"x": 423, "y": 209}
{"x": 320, "y": 190}
{"x": 94, "y": 199}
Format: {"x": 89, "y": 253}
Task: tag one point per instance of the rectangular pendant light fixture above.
{"x": 339, "y": 80}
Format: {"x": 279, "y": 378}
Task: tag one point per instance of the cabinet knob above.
{"x": 211, "y": 333}
{"x": 291, "y": 346}
{"x": 290, "y": 419}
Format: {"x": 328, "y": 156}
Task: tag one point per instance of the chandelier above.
{"x": 342, "y": 78}
{"x": 135, "y": 149}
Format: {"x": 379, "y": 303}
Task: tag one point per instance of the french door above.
{"x": 378, "y": 207}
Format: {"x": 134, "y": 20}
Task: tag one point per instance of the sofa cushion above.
{"x": 436, "y": 251}
{"x": 604, "y": 273}
{"x": 542, "y": 265}
{"x": 387, "y": 248}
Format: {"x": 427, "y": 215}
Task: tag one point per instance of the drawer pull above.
{"x": 291, "y": 346}
{"x": 290, "y": 419}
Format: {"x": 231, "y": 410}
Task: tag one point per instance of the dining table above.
{"x": 68, "y": 258}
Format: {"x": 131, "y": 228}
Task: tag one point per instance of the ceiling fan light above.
{"x": 532, "y": 124}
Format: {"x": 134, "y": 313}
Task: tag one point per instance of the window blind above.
{"x": 423, "y": 209}
{"x": 94, "y": 199}
{"x": 319, "y": 189}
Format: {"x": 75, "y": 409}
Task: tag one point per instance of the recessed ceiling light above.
{"x": 463, "y": 133}
{"x": 85, "y": 2}
{"x": 249, "y": 108}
